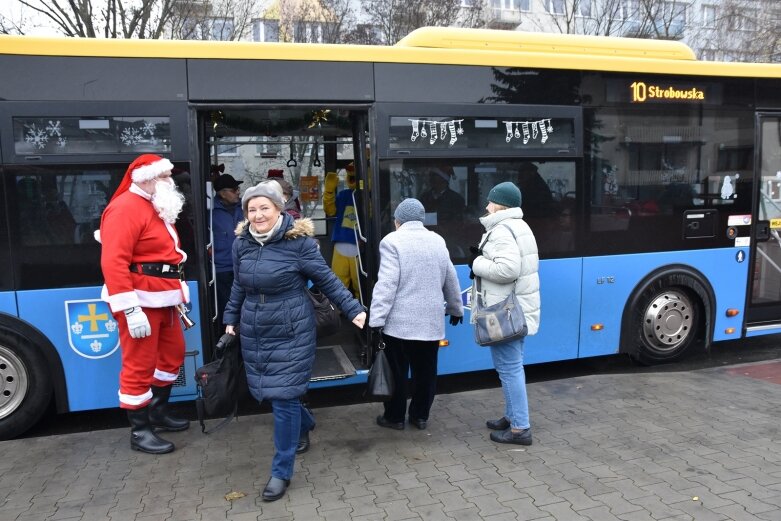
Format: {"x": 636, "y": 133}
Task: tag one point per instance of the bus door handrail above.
{"x": 358, "y": 236}
{"x": 210, "y": 248}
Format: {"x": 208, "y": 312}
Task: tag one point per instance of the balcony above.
{"x": 503, "y": 18}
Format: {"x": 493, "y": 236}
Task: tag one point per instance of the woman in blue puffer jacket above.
{"x": 274, "y": 256}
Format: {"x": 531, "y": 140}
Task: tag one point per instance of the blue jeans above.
{"x": 291, "y": 420}
{"x": 508, "y": 361}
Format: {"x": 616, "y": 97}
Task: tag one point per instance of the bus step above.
{"x": 331, "y": 364}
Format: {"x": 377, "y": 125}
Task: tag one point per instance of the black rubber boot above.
{"x": 143, "y": 437}
{"x": 158, "y": 412}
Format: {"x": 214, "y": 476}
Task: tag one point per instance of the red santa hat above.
{"x": 144, "y": 168}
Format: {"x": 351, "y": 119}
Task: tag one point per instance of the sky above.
{"x": 14, "y": 11}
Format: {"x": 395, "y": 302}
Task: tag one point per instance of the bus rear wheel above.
{"x": 25, "y": 386}
{"x": 667, "y": 321}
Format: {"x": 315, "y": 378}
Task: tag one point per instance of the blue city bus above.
{"x": 651, "y": 180}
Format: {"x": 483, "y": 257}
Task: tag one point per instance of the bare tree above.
{"x": 107, "y": 18}
{"x": 213, "y": 19}
{"x": 397, "y": 18}
{"x": 739, "y": 30}
{"x": 590, "y": 17}
{"x": 315, "y": 21}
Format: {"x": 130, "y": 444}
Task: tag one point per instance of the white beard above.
{"x": 167, "y": 200}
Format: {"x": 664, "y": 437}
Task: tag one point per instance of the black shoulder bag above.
{"x": 380, "y": 383}
{"x": 327, "y": 316}
{"x": 218, "y": 384}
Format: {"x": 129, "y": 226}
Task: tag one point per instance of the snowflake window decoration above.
{"x": 37, "y": 137}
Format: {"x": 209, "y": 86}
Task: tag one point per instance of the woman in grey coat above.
{"x": 415, "y": 279}
{"x": 508, "y": 261}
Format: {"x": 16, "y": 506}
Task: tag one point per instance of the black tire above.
{"x": 666, "y": 321}
{"x": 25, "y": 385}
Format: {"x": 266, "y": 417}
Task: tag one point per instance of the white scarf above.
{"x": 263, "y": 237}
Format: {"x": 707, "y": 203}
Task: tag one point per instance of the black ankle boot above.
{"x": 158, "y": 411}
{"x": 143, "y": 437}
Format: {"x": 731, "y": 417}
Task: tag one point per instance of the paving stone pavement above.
{"x": 701, "y": 445}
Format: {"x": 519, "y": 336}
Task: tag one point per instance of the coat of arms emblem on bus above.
{"x": 92, "y": 330}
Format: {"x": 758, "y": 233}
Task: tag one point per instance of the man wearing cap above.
{"x": 414, "y": 279}
{"x": 226, "y": 215}
{"x": 447, "y": 204}
{"x": 141, "y": 259}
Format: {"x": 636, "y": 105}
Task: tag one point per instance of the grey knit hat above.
{"x": 505, "y": 194}
{"x": 269, "y": 189}
{"x": 409, "y": 210}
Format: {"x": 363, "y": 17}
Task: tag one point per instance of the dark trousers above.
{"x": 421, "y": 358}
{"x": 224, "y": 281}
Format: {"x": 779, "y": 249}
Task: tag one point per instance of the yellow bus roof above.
{"x": 430, "y": 45}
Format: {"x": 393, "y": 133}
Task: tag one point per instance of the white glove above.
{"x": 137, "y": 323}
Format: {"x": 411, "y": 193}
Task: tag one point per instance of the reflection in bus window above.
{"x": 650, "y": 166}
{"x": 547, "y": 191}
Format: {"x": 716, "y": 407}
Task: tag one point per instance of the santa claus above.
{"x": 142, "y": 262}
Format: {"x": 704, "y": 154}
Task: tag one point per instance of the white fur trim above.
{"x": 162, "y": 299}
{"x": 135, "y": 399}
{"x": 165, "y": 377}
{"x": 120, "y": 301}
{"x": 152, "y": 170}
{"x": 96, "y": 234}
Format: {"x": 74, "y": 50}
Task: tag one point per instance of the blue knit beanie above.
{"x": 409, "y": 210}
{"x": 505, "y": 194}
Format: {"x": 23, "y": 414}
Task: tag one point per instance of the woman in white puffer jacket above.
{"x": 506, "y": 261}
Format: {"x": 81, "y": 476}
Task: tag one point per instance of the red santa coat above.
{"x": 131, "y": 232}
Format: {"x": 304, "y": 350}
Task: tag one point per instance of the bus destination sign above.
{"x": 642, "y": 92}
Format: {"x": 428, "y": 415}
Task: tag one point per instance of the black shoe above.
{"x": 382, "y": 422}
{"x": 508, "y": 436}
{"x": 498, "y": 425}
{"x": 420, "y": 424}
{"x": 303, "y": 443}
{"x": 159, "y": 416}
{"x": 142, "y": 437}
{"x": 275, "y": 489}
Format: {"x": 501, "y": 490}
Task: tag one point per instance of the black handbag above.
{"x": 380, "y": 383}
{"x": 218, "y": 384}
{"x": 327, "y": 316}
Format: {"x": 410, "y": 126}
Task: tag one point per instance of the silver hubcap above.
{"x": 668, "y": 320}
{"x": 13, "y": 381}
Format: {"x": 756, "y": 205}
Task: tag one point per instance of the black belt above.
{"x": 158, "y": 269}
{"x": 262, "y": 298}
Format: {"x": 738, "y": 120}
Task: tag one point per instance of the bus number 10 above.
{"x": 639, "y": 92}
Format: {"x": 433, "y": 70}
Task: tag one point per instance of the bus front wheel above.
{"x": 667, "y": 322}
{"x": 25, "y": 386}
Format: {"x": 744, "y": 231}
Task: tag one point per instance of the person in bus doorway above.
{"x": 344, "y": 261}
{"x": 414, "y": 279}
{"x": 141, "y": 259}
{"x": 506, "y": 261}
{"x": 290, "y": 196}
{"x": 274, "y": 256}
{"x": 226, "y": 215}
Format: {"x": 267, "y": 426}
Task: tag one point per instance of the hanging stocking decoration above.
{"x": 442, "y": 131}
{"x": 415, "y": 132}
{"x": 452, "y": 127}
{"x": 423, "y": 132}
{"x": 534, "y": 129}
{"x": 517, "y": 132}
{"x": 525, "y": 127}
{"x": 543, "y": 132}
{"x": 509, "y": 125}
{"x": 433, "y": 127}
